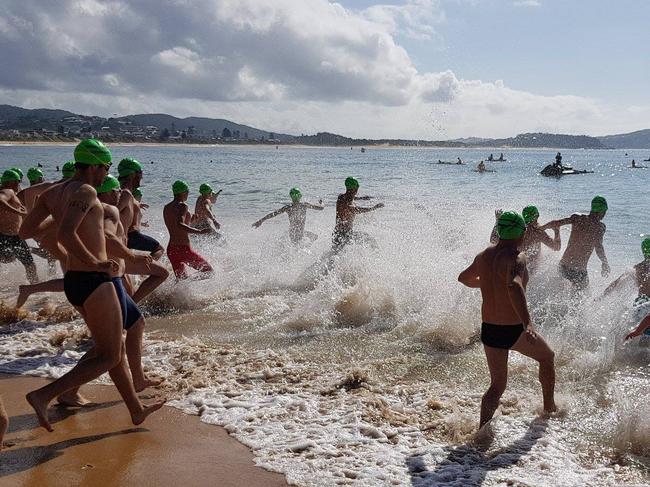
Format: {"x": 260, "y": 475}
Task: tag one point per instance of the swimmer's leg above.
{"x": 51, "y": 286}
{"x": 539, "y": 350}
{"x": 497, "y": 359}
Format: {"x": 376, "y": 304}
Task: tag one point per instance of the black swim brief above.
{"x": 579, "y": 279}
{"x": 500, "y": 336}
{"x": 139, "y": 241}
{"x": 130, "y": 311}
{"x": 12, "y": 247}
{"x": 79, "y": 285}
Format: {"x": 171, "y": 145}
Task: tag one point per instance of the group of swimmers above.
{"x": 90, "y": 221}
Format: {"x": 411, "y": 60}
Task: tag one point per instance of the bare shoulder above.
{"x": 111, "y": 211}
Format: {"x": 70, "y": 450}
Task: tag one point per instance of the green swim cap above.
{"x": 92, "y": 153}
{"x": 530, "y": 213}
{"x": 18, "y": 171}
{"x": 110, "y": 183}
{"x": 180, "y": 187}
{"x": 9, "y": 176}
{"x": 511, "y": 225}
{"x": 137, "y": 193}
{"x": 205, "y": 189}
{"x": 34, "y": 173}
{"x": 645, "y": 247}
{"x": 599, "y": 204}
{"x": 351, "y": 183}
{"x": 68, "y": 169}
{"x": 295, "y": 194}
{"x": 128, "y": 166}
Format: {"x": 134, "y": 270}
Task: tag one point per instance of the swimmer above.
{"x": 534, "y": 238}
{"x": 203, "y": 216}
{"x": 494, "y": 236}
{"x": 297, "y": 213}
{"x": 501, "y": 275}
{"x": 130, "y": 176}
{"x": 481, "y": 167}
{"x": 179, "y": 250}
{"x": 346, "y": 211}
{"x": 642, "y": 329}
{"x": 12, "y": 213}
{"x": 88, "y": 286}
{"x": 137, "y": 194}
{"x": 640, "y": 275}
{"x": 587, "y": 232}
{"x": 68, "y": 170}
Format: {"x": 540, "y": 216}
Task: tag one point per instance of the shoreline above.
{"x": 100, "y": 446}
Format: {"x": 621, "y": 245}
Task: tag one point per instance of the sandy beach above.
{"x": 99, "y": 446}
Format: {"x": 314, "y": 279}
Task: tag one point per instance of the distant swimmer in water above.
{"x": 640, "y": 275}
{"x": 203, "y": 216}
{"x": 500, "y": 273}
{"x": 346, "y": 211}
{"x": 459, "y": 161}
{"x": 481, "y": 167}
{"x": 297, "y": 213}
{"x": 587, "y": 232}
{"x": 534, "y": 238}
{"x": 179, "y": 250}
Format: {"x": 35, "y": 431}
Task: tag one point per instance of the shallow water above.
{"x": 371, "y": 373}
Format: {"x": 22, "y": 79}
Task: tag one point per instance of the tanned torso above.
{"x": 10, "y": 221}
{"x": 173, "y": 214}
{"x": 496, "y": 266}
{"x": 586, "y": 233}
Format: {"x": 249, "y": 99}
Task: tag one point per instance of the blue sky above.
{"x": 432, "y": 69}
{"x": 585, "y": 47}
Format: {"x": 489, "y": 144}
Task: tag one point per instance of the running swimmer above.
{"x": 179, "y": 250}
{"x": 346, "y": 211}
{"x": 203, "y": 216}
{"x": 88, "y": 286}
{"x": 534, "y": 238}
{"x": 640, "y": 275}
{"x": 130, "y": 176}
{"x": 587, "y": 232}
{"x": 501, "y": 275}
{"x": 12, "y": 212}
{"x": 297, "y": 213}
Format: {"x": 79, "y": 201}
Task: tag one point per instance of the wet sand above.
{"x": 100, "y": 446}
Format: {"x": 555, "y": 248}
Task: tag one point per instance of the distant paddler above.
{"x": 297, "y": 213}
{"x": 203, "y": 215}
{"x": 535, "y": 237}
{"x": 500, "y": 273}
{"x": 346, "y": 211}
{"x": 460, "y": 161}
{"x": 587, "y": 232}
{"x": 481, "y": 167}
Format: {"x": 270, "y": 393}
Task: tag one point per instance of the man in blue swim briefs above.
{"x": 79, "y": 216}
{"x": 501, "y": 275}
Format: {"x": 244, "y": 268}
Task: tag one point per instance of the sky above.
{"x": 429, "y": 69}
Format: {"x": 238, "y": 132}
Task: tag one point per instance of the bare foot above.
{"x": 139, "y": 418}
{"x": 74, "y": 400}
{"x": 141, "y": 385}
{"x": 22, "y": 296}
{"x": 40, "y": 407}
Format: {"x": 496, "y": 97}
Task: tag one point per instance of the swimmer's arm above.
{"x": 516, "y": 291}
{"x": 643, "y": 326}
{"x": 273, "y": 214}
{"x": 558, "y": 223}
{"x": 181, "y": 222}
{"x": 315, "y": 207}
{"x": 115, "y": 247}
{"x": 600, "y": 252}
{"x": 77, "y": 209}
{"x": 554, "y": 243}
{"x": 357, "y": 209}
{"x": 626, "y": 276}
{"x": 470, "y": 276}
{"x": 32, "y": 223}
{"x": 19, "y": 211}
{"x": 211, "y": 217}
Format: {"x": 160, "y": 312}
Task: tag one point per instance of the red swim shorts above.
{"x": 183, "y": 255}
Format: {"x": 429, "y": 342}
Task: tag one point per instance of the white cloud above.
{"x": 283, "y": 65}
{"x": 527, "y": 3}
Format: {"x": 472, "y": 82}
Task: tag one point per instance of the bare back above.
{"x": 174, "y": 214}
{"x": 28, "y": 196}
{"x": 586, "y": 234}
{"x": 496, "y": 268}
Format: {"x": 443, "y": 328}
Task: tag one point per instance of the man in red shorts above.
{"x": 179, "y": 250}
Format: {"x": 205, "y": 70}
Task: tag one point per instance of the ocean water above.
{"x": 367, "y": 370}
